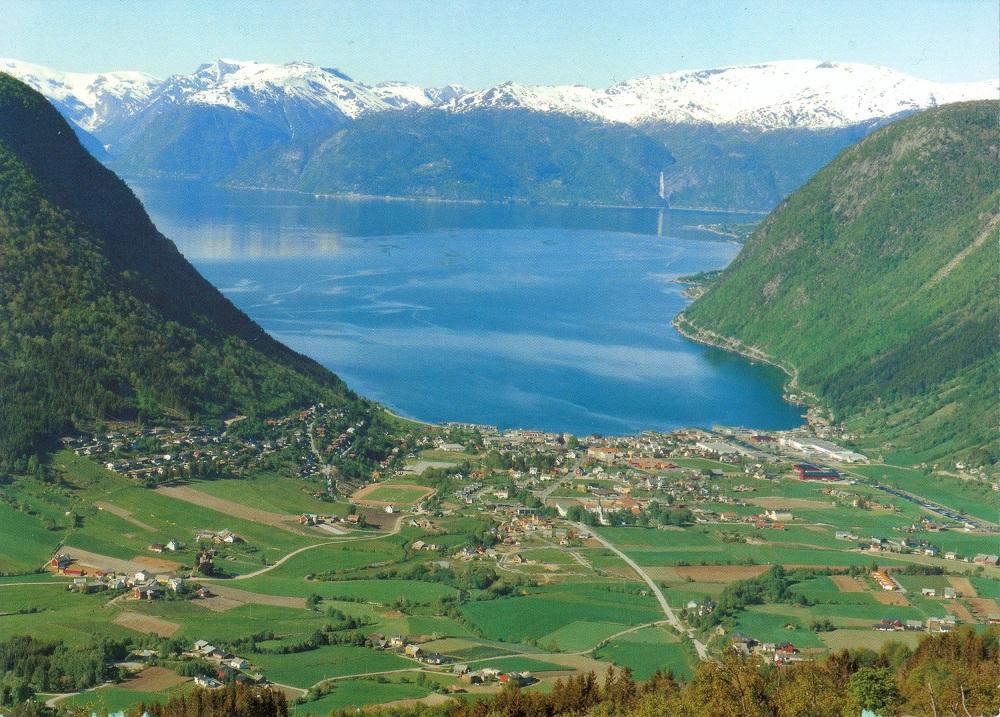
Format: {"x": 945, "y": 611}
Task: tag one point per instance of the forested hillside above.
{"x": 483, "y": 155}
{"x": 876, "y": 282}
{"x": 100, "y": 315}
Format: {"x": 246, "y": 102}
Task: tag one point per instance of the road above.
{"x": 549, "y": 490}
{"x": 395, "y": 530}
{"x": 667, "y": 610}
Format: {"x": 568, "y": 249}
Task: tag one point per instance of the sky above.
{"x": 480, "y": 43}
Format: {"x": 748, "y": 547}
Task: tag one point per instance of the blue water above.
{"x": 544, "y": 317}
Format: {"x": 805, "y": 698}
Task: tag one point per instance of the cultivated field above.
{"x": 147, "y": 624}
{"x": 391, "y": 494}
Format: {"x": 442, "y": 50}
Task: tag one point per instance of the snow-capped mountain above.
{"x": 738, "y": 137}
{"x": 87, "y": 99}
{"x": 797, "y": 93}
{"x": 251, "y": 86}
{"x": 804, "y": 94}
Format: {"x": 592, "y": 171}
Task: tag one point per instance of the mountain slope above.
{"x": 742, "y": 137}
{"x": 485, "y": 155}
{"x": 100, "y": 315}
{"x": 877, "y": 281}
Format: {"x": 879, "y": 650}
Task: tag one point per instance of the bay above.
{"x": 556, "y": 318}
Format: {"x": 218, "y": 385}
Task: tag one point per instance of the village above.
{"x": 442, "y": 560}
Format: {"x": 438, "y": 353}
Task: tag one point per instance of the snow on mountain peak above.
{"x": 791, "y": 93}
{"x": 88, "y": 99}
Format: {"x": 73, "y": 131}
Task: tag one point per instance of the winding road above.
{"x": 395, "y": 530}
{"x": 667, "y": 610}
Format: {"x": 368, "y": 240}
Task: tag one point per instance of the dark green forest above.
{"x": 876, "y": 282}
{"x": 100, "y": 315}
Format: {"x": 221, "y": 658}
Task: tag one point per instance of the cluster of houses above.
{"x": 229, "y": 667}
{"x": 781, "y": 653}
{"x": 884, "y": 580}
{"x": 176, "y": 448}
{"x": 487, "y": 675}
{"x": 876, "y": 544}
{"x": 144, "y": 584}
{"x": 934, "y": 624}
{"x": 165, "y": 451}
{"x": 218, "y": 537}
{"x": 404, "y": 646}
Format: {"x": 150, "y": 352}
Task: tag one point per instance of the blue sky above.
{"x": 481, "y": 43}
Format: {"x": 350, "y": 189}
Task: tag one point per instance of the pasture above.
{"x": 569, "y": 615}
{"x": 305, "y": 669}
{"x": 648, "y": 650}
{"x": 359, "y": 693}
{"x": 392, "y": 494}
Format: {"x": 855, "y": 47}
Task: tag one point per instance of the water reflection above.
{"x": 208, "y": 222}
{"x": 515, "y": 315}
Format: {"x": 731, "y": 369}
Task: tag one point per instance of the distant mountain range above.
{"x": 300, "y": 126}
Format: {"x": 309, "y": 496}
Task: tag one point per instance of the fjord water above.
{"x": 555, "y": 318}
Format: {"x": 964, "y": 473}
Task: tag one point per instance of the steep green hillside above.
{"x": 730, "y": 167}
{"x": 877, "y": 282}
{"x": 100, "y": 315}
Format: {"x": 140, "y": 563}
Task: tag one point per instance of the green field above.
{"x": 396, "y": 494}
{"x": 544, "y": 612}
{"x": 273, "y": 493}
{"x": 385, "y": 592}
{"x": 304, "y": 669}
{"x": 26, "y": 543}
{"x": 703, "y": 546}
{"x": 109, "y": 699}
{"x": 151, "y": 517}
{"x": 975, "y": 499}
{"x": 358, "y": 693}
{"x": 648, "y": 650}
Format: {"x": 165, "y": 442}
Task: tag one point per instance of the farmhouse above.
{"x": 888, "y": 625}
{"x": 147, "y": 592}
{"x": 61, "y": 561}
{"x": 209, "y": 683}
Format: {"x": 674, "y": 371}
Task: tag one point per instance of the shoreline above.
{"x": 357, "y": 196}
{"x": 690, "y": 331}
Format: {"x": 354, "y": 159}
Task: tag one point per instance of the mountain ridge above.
{"x": 100, "y": 315}
{"x": 780, "y": 94}
{"x": 737, "y": 138}
{"x": 868, "y": 283}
